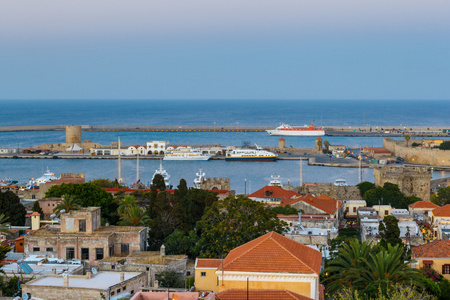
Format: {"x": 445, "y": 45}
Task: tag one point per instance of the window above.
{"x": 98, "y": 253}
{"x": 111, "y": 250}
{"x": 84, "y": 253}
{"x": 36, "y": 249}
{"x": 70, "y": 253}
{"x": 118, "y": 291}
{"x": 49, "y": 249}
{"x": 386, "y": 212}
{"x": 446, "y": 269}
{"x": 354, "y": 209}
{"x": 113, "y": 293}
{"x": 49, "y": 204}
{"x": 203, "y": 274}
{"x": 124, "y": 288}
{"x": 82, "y": 226}
{"x": 125, "y": 248}
{"x": 113, "y": 267}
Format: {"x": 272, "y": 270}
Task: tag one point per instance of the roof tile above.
{"x": 423, "y": 204}
{"x": 273, "y": 192}
{"x": 436, "y": 248}
{"x": 241, "y": 294}
{"x": 443, "y": 211}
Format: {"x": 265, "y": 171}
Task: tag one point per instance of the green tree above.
{"x": 389, "y": 231}
{"x": 158, "y": 182}
{"x": 11, "y": 207}
{"x": 89, "y": 195}
{"x": 326, "y": 144}
{"x": 68, "y": 203}
{"x": 445, "y": 145}
{"x": 37, "y": 208}
{"x": 364, "y": 187}
{"x": 442, "y": 197}
{"x": 369, "y": 269}
{"x": 134, "y": 216}
{"x": 407, "y": 138}
{"x": 397, "y": 292}
{"x": 105, "y": 183}
{"x": 389, "y": 193}
{"x": 232, "y": 222}
{"x": 181, "y": 243}
{"x": 170, "y": 278}
{"x": 125, "y": 204}
{"x": 285, "y": 210}
{"x": 4, "y": 226}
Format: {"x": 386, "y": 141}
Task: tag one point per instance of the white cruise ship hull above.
{"x": 297, "y": 132}
{"x": 187, "y": 157}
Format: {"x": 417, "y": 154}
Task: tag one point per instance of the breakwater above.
{"x": 383, "y": 131}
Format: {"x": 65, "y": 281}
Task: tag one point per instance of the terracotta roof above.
{"x": 443, "y": 211}
{"x": 322, "y": 202}
{"x": 35, "y": 214}
{"x": 207, "y": 263}
{"x": 281, "y": 139}
{"x": 241, "y": 294}
{"x": 273, "y": 252}
{"x": 377, "y": 150}
{"x": 273, "y": 192}
{"x": 423, "y": 204}
{"x": 436, "y": 248}
{"x": 319, "y": 138}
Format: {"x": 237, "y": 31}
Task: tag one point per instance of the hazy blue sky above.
{"x": 225, "y": 49}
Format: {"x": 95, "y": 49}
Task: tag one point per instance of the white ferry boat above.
{"x": 35, "y": 183}
{"x": 285, "y": 129}
{"x": 198, "y": 180}
{"x": 340, "y": 182}
{"x": 161, "y": 171}
{"x": 186, "y": 154}
{"x": 275, "y": 181}
{"x": 257, "y": 154}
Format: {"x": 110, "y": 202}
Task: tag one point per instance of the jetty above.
{"x": 383, "y": 131}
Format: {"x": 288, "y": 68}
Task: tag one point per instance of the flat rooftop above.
{"x": 146, "y": 257}
{"x": 43, "y": 269}
{"x": 101, "y": 281}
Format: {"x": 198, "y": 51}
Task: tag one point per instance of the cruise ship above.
{"x": 186, "y": 154}
{"x": 257, "y": 154}
{"x": 285, "y": 129}
{"x": 35, "y": 183}
{"x": 161, "y": 171}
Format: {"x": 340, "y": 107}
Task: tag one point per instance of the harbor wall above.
{"x": 417, "y": 155}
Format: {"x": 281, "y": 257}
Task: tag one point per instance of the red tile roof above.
{"x": 207, "y": 263}
{"x": 423, "y": 204}
{"x": 377, "y": 150}
{"x": 241, "y": 294}
{"x": 322, "y": 202}
{"x": 436, "y": 248}
{"x": 273, "y": 192}
{"x": 35, "y": 214}
{"x": 443, "y": 211}
{"x": 273, "y": 252}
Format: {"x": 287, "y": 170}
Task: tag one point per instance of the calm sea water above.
{"x": 206, "y": 113}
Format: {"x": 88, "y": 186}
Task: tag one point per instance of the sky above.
{"x": 225, "y": 49}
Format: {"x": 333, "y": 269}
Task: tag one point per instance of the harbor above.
{"x": 370, "y": 131}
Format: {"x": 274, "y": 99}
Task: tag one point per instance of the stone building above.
{"x": 331, "y": 190}
{"x": 44, "y": 187}
{"x": 212, "y": 184}
{"x": 411, "y": 180}
{"x": 103, "y": 285}
{"x": 151, "y": 262}
{"x": 80, "y": 236}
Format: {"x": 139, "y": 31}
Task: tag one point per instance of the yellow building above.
{"x": 439, "y": 216}
{"x": 382, "y": 210}
{"x": 205, "y": 274}
{"x": 270, "y": 262}
{"x": 435, "y": 255}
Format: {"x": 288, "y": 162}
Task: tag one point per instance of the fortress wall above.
{"x": 418, "y": 155}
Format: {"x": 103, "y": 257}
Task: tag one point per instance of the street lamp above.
{"x": 245, "y": 186}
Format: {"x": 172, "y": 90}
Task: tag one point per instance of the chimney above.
{"x": 66, "y": 280}
{"x": 122, "y": 276}
{"x": 88, "y": 275}
{"x": 53, "y": 271}
{"x": 35, "y": 220}
{"x": 162, "y": 251}
{"x": 156, "y": 285}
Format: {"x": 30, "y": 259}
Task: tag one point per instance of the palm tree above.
{"x": 326, "y": 144}
{"x": 125, "y": 204}
{"x": 135, "y": 216}
{"x": 407, "y": 138}
{"x": 68, "y": 203}
{"x": 4, "y": 226}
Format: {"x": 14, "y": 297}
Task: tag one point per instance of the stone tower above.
{"x": 73, "y": 134}
{"x": 281, "y": 144}
{"x": 411, "y": 180}
{"x": 319, "y": 145}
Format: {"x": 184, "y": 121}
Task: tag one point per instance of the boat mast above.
{"x": 137, "y": 168}
{"x": 119, "y": 171}
{"x": 360, "y": 165}
{"x": 301, "y": 172}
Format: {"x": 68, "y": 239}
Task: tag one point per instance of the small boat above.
{"x": 35, "y": 183}
{"x": 340, "y": 182}
{"x": 161, "y": 171}
{"x": 199, "y": 179}
{"x": 257, "y": 154}
{"x": 285, "y": 129}
{"x": 188, "y": 153}
{"x": 275, "y": 181}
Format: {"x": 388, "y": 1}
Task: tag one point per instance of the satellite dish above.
{"x": 62, "y": 211}
{"x": 94, "y": 271}
{"x": 52, "y": 216}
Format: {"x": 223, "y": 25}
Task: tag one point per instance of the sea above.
{"x": 245, "y": 176}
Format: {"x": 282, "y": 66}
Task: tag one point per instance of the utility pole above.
{"x": 119, "y": 171}
{"x": 137, "y": 168}
{"x": 360, "y": 164}
{"x": 301, "y": 173}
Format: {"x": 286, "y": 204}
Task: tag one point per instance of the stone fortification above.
{"x": 216, "y": 184}
{"x": 330, "y": 190}
{"x": 73, "y": 134}
{"x": 417, "y": 155}
{"x": 411, "y": 180}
